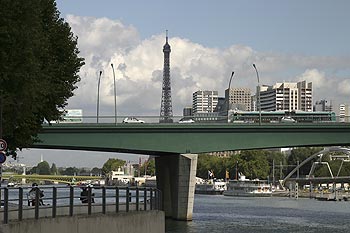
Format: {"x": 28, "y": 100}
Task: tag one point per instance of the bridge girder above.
{"x": 158, "y": 139}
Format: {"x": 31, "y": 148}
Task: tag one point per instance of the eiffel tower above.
{"x": 166, "y": 110}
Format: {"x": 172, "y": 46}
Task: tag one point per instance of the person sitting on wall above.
{"x": 84, "y": 195}
{"x": 32, "y": 195}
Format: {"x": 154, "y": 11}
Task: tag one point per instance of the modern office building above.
{"x": 187, "y": 111}
{"x": 286, "y": 96}
{"x": 238, "y": 98}
{"x": 323, "y": 106}
{"x": 305, "y": 96}
{"x": 204, "y": 101}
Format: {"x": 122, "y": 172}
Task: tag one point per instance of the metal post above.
{"x": 259, "y": 100}
{"x": 127, "y": 198}
{"x": 115, "y": 97}
{"x": 6, "y": 205}
{"x": 20, "y": 204}
{"x": 37, "y": 193}
{"x": 104, "y": 200}
{"x": 228, "y": 97}
{"x": 116, "y": 199}
{"x": 273, "y": 172}
{"x": 71, "y": 200}
{"x": 155, "y": 199}
{"x": 145, "y": 198}
{"x": 89, "y": 200}
{"x": 151, "y": 197}
{"x": 54, "y": 201}
{"x": 137, "y": 199}
{"x": 98, "y": 95}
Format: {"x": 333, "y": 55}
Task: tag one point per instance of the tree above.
{"x": 112, "y": 165}
{"x": 300, "y": 154}
{"x": 148, "y": 168}
{"x": 53, "y": 169}
{"x": 96, "y": 171}
{"x": 43, "y": 168}
{"x": 70, "y": 171}
{"x": 39, "y": 67}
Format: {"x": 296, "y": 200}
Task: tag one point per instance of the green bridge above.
{"x": 176, "y": 147}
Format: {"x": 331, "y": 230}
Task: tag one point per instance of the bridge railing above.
{"x": 205, "y": 118}
{"x": 17, "y": 204}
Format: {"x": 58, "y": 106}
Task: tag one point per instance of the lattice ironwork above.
{"x": 166, "y": 110}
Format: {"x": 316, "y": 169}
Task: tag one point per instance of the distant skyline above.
{"x": 287, "y": 40}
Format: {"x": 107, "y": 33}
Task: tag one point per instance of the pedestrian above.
{"x": 84, "y": 195}
{"x": 32, "y": 195}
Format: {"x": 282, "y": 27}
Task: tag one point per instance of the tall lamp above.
{"x": 115, "y": 97}
{"x": 259, "y": 101}
{"x": 98, "y": 94}
{"x": 228, "y": 97}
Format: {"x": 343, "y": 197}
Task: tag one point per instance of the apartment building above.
{"x": 287, "y": 96}
{"x": 204, "y": 101}
{"x": 344, "y": 113}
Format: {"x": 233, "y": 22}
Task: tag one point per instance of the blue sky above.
{"x": 315, "y": 27}
{"x": 288, "y": 41}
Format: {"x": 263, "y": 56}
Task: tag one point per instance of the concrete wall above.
{"x": 132, "y": 222}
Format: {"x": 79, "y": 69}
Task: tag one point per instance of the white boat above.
{"x": 212, "y": 187}
{"x": 248, "y": 188}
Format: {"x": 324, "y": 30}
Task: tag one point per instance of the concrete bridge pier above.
{"x": 176, "y": 178}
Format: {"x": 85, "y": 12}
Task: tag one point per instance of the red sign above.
{"x": 3, "y": 145}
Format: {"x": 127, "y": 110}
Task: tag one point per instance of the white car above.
{"x": 132, "y": 120}
{"x": 186, "y": 121}
{"x": 288, "y": 119}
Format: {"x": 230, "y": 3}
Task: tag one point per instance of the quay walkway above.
{"x": 60, "y": 202}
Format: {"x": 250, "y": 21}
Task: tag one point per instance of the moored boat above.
{"x": 248, "y": 188}
{"x": 212, "y": 187}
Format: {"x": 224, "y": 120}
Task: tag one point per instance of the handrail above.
{"x": 104, "y": 199}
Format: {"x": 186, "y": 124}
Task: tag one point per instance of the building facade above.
{"x": 238, "y": 98}
{"x": 323, "y": 106}
{"x": 344, "y": 113}
{"x": 204, "y": 101}
{"x": 287, "y": 97}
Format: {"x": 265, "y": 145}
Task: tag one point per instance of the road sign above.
{"x": 2, "y": 157}
{"x": 3, "y": 145}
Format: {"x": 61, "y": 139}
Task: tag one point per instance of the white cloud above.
{"x": 344, "y": 88}
{"x": 139, "y": 63}
{"x": 317, "y": 78}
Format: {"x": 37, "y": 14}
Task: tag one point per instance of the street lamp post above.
{"x": 115, "y": 97}
{"x": 228, "y": 95}
{"x": 259, "y": 101}
{"x": 98, "y": 94}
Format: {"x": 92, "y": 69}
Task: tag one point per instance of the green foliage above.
{"x": 43, "y": 168}
{"x": 39, "y": 67}
{"x": 300, "y": 154}
{"x": 149, "y": 166}
{"x": 53, "y": 169}
{"x": 96, "y": 171}
{"x": 112, "y": 165}
{"x": 253, "y": 164}
{"x": 69, "y": 171}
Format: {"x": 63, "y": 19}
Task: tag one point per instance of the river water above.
{"x": 218, "y": 214}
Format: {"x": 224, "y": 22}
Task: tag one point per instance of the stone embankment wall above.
{"x": 132, "y": 222}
